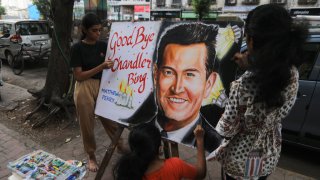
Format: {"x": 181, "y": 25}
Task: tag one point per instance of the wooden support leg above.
{"x": 174, "y": 149}
{"x": 166, "y": 149}
{"x": 109, "y": 153}
{"x": 170, "y": 149}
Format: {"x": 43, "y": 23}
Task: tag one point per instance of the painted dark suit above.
{"x": 211, "y": 138}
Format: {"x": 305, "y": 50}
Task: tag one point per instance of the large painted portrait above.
{"x": 174, "y": 75}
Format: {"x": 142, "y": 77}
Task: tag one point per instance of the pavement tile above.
{"x": 14, "y": 145}
{"x": 4, "y": 173}
{"x": 5, "y": 139}
{"x": 75, "y": 150}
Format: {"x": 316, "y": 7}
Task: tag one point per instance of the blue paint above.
{"x": 33, "y": 12}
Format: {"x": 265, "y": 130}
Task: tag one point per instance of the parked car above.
{"x": 302, "y": 125}
{"x": 14, "y": 32}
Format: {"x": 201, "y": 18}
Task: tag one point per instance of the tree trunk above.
{"x": 57, "y": 80}
{"x": 200, "y": 16}
{"x": 57, "y": 92}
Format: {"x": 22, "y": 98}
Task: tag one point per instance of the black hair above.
{"x": 277, "y": 46}
{"x": 190, "y": 33}
{"x": 144, "y": 141}
{"x": 89, "y": 20}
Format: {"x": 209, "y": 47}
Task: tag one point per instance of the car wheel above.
{"x": 9, "y": 58}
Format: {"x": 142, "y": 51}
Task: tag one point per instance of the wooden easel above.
{"x": 109, "y": 152}
{"x": 170, "y": 150}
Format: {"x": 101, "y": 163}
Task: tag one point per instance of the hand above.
{"x": 198, "y": 132}
{"x": 107, "y": 64}
{"x": 241, "y": 59}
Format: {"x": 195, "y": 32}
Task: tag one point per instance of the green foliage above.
{"x": 201, "y": 7}
{"x": 43, "y": 6}
{"x": 2, "y": 10}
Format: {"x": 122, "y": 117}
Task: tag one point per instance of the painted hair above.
{"x": 277, "y": 46}
{"x": 187, "y": 34}
{"x": 89, "y": 20}
{"x": 144, "y": 141}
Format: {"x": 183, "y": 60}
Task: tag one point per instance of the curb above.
{"x": 11, "y": 95}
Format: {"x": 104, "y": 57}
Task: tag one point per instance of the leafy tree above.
{"x": 43, "y": 6}
{"x": 57, "y": 92}
{"x": 201, "y": 7}
{"x": 2, "y": 10}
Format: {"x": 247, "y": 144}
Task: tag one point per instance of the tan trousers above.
{"x": 85, "y": 95}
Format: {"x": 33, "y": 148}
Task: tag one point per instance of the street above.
{"x": 295, "y": 163}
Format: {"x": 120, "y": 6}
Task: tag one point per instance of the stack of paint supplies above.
{"x": 42, "y": 165}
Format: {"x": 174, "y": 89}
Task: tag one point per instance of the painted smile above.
{"x": 177, "y": 100}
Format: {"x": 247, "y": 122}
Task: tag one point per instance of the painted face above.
{"x": 181, "y": 81}
{"x": 93, "y": 33}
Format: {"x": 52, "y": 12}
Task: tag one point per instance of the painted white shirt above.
{"x": 178, "y": 134}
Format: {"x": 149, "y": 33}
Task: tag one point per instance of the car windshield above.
{"x": 32, "y": 28}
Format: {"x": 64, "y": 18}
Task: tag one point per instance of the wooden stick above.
{"x": 109, "y": 153}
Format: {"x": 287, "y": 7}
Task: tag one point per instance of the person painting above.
{"x": 184, "y": 76}
{"x": 144, "y": 163}
{"x": 87, "y": 60}
{"x": 263, "y": 96}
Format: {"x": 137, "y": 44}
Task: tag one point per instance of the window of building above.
{"x": 278, "y": 1}
{"x": 250, "y": 2}
{"x": 305, "y": 2}
{"x": 161, "y": 3}
{"x": 230, "y": 2}
{"x": 176, "y": 4}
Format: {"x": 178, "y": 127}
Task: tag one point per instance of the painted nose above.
{"x": 178, "y": 86}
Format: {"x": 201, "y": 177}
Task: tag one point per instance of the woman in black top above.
{"x": 87, "y": 60}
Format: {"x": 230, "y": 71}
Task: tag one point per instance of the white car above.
{"x": 17, "y": 31}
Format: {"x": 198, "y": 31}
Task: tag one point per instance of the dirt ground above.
{"x": 52, "y": 133}
{"x": 58, "y": 128}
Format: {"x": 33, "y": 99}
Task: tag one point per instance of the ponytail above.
{"x": 144, "y": 141}
{"x": 277, "y": 46}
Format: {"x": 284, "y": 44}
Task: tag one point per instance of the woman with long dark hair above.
{"x": 263, "y": 96}
{"x": 88, "y": 62}
{"x": 143, "y": 161}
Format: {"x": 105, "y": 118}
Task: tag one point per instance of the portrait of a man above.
{"x": 174, "y": 75}
{"x": 184, "y": 76}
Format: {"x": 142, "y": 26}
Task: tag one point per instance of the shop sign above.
{"x": 305, "y": 11}
{"x": 166, "y": 14}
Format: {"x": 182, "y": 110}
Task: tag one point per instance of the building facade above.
{"x": 124, "y": 10}
{"x": 17, "y": 9}
{"x": 182, "y": 9}
{"x": 129, "y": 9}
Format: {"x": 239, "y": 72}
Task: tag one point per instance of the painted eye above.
{"x": 189, "y": 74}
{"x": 168, "y": 72}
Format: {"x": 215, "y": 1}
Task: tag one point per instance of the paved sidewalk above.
{"x": 14, "y": 145}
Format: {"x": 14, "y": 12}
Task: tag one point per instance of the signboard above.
{"x": 305, "y": 11}
{"x": 33, "y": 12}
{"x": 165, "y": 14}
{"x": 174, "y": 75}
{"x": 126, "y": 86}
{"x": 193, "y": 15}
{"x": 141, "y": 9}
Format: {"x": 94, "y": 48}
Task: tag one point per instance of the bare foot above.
{"x": 93, "y": 165}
